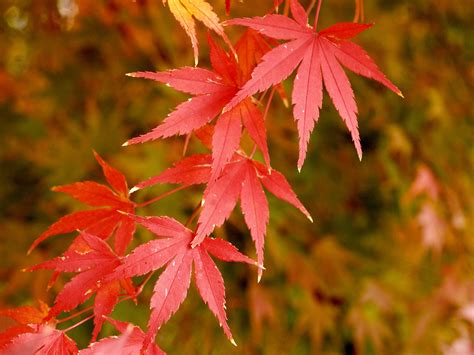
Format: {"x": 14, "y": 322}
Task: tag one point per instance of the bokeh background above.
{"x": 388, "y": 265}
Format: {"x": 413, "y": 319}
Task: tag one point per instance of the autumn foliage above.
{"x": 228, "y": 159}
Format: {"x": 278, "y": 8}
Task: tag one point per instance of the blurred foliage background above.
{"x": 388, "y": 265}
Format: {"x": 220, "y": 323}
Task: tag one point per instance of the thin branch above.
{"x": 142, "y": 284}
{"x": 253, "y": 151}
{"x": 310, "y": 7}
{"x": 357, "y": 11}
{"x": 267, "y": 108}
{"x": 186, "y": 143}
{"x": 62, "y": 320}
{"x": 78, "y": 323}
{"x": 286, "y": 9}
{"x": 162, "y": 196}
{"x": 194, "y": 214}
{"x": 316, "y": 17}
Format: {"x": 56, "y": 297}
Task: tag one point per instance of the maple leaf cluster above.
{"x": 221, "y": 109}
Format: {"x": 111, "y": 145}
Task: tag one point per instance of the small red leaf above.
{"x": 188, "y": 116}
{"x": 195, "y": 81}
{"x": 345, "y": 30}
{"x": 114, "y": 177}
{"x": 124, "y": 235}
{"x": 195, "y": 169}
{"x": 277, "y": 184}
{"x": 225, "y": 251}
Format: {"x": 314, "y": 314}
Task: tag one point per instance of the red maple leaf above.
{"x": 25, "y": 317}
{"x": 128, "y": 343}
{"x": 44, "y": 341}
{"x": 102, "y": 221}
{"x": 321, "y": 54}
{"x": 212, "y": 90}
{"x": 176, "y": 253}
{"x": 93, "y": 259}
{"x": 242, "y": 177}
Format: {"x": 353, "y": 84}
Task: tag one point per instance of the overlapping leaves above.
{"x": 319, "y": 55}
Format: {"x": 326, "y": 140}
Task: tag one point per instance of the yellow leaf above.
{"x": 186, "y": 10}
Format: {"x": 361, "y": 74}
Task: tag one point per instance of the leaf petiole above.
{"x": 316, "y": 17}
{"x": 162, "y": 196}
{"x": 62, "y": 320}
{"x": 78, "y": 323}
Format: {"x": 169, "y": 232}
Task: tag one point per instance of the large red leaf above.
{"x": 241, "y": 178}
{"x": 174, "y": 251}
{"x": 213, "y": 91}
{"x": 319, "y": 53}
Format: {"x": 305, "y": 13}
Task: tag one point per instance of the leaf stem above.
{"x": 357, "y": 11}
{"x": 267, "y": 108}
{"x": 253, "y": 151}
{"x": 62, "y": 320}
{"x": 310, "y": 7}
{"x": 162, "y": 196}
{"x": 286, "y": 9}
{"x": 186, "y": 143}
{"x": 141, "y": 286}
{"x": 194, "y": 214}
{"x": 78, "y": 323}
{"x": 316, "y": 17}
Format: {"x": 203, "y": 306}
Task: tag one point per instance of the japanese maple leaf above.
{"x": 44, "y": 341}
{"x": 322, "y": 55}
{"x": 243, "y": 178}
{"x": 213, "y": 91}
{"x": 93, "y": 259}
{"x": 174, "y": 251}
{"x": 185, "y": 10}
{"x": 102, "y": 221}
{"x": 128, "y": 343}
